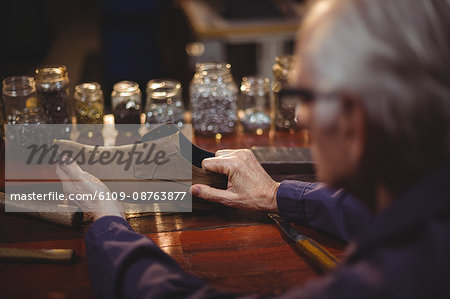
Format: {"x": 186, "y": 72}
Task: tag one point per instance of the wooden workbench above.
{"x": 231, "y": 249}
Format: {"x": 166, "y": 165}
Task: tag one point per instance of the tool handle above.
{"x": 23, "y": 255}
{"x": 65, "y": 215}
{"x": 319, "y": 255}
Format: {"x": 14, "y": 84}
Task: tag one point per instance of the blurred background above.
{"x": 139, "y": 40}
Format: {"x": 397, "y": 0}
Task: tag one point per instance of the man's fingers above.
{"x": 74, "y": 171}
{"x": 223, "y": 164}
{"x": 62, "y": 174}
{"x": 74, "y": 178}
{"x": 66, "y": 180}
{"x": 224, "y": 152}
{"x": 212, "y": 194}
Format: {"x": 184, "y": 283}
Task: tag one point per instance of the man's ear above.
{"x": 353, "y": 128}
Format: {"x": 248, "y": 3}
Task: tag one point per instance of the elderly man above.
{"x": 374, "y": 76}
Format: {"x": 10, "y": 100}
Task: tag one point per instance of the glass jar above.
{"x": 32, "y": 116}
{"x": 254, "y": 112}
{"x": 52, "y": 86}
{"x": 126, "y": 101}
{"x": 19, "y": 92}
{"x": 164, "y": 102}
{"x": 284, "y": 117}
{"x": 88, "y": 98}
{"x": 214, "y": 99}
{"x": 29, "y": 130}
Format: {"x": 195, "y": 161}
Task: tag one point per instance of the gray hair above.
{"x": 395, "y": 55}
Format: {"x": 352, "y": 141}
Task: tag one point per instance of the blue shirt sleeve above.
{"x": 322, "y": 208}
{"x": 125, "y": 264}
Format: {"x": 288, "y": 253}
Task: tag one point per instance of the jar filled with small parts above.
{"x": 126, "y": 101}
{"x": 214, "y": 100}
{"x": 284, "y": 117}
{"x": 52, "y": 86}
{"x": 164, "y": 102}
{"x": 254, "y": 111}
{"x": 32, "y": 116}
{"x": 30, "y": 129}
{"x": 88, "y": 98}
{"x": 19, "y": 92}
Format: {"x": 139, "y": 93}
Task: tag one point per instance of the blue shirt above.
{"x": 401, "y": 253}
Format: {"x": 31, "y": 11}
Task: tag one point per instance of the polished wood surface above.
{"x": 247, "y": 140}
{"x": 231, "y": 249}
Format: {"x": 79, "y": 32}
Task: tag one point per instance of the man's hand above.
{"x": 77, "y": 181}
{"x": 249, "y": 186}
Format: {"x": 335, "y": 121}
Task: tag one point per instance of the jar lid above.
{"x": 255, "y": 85}
{"x": 89, "y": 90}
{"x": 163, "y": 88}
{"x": 18, "y": 86}
{"x": 212, "y": 65}
{"x": 126, "y": 87}
{"x": 88, "y": 87}
{"x": 51, "y": 73}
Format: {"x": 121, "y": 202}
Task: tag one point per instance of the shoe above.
{"x": 177, "y": 174}
{"x": 189, "y": 152}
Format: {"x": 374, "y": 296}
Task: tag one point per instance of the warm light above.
{"x": 163, "y": 239}
{"x": 218, "y": 136}
{"x": 259, "y": 132}
{"x": 321, "y": 7}
{"x": 108, "y": 119}
{"x": 195, "y": 49}
{"x": 31, "y": 102}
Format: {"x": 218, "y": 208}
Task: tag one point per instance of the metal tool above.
{"x": 319, "y": 255}
{"x": 26, "y": 255}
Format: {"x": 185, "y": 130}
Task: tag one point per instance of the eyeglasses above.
{"x": 302, "y": 98}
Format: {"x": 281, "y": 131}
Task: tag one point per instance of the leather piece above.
{"x": 178, "y": 169}
{"x": 194, "y": 153}
{"x": 188, "y": 150}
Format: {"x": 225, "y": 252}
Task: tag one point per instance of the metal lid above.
{"x": 163, "y": 88}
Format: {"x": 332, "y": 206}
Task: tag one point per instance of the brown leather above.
{"x": 206, "y": 177}
{"x": 178, "y": 169}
